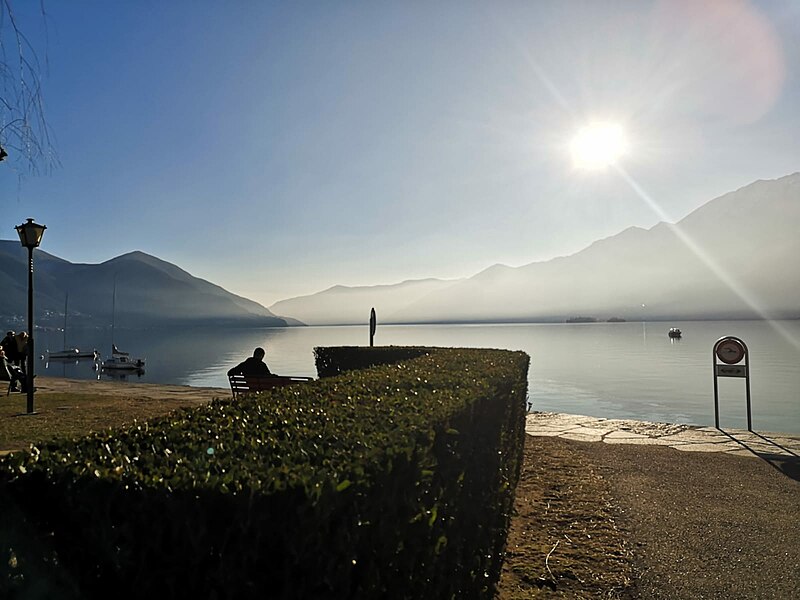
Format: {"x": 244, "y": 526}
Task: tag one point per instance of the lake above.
{"x": 614, "y": 370}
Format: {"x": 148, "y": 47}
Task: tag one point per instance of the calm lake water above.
{"x": 615, "y": 370}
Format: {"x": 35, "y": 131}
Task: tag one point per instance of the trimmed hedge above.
{"x": 335, "y": 360}
{"x": 391, "y": 482}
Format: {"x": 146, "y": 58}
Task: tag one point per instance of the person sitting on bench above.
{"x": 253, "y": 366}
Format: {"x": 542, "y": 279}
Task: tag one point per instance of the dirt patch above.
{"x": 564, "y": 540}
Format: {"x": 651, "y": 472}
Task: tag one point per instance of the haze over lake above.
{"x": 614, "y": 370}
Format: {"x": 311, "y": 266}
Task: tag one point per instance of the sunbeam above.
{"x": 726, "y": 278}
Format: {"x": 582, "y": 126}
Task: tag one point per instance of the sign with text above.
{"x": 732, "y": 353}
{"x": 731, "y": 371}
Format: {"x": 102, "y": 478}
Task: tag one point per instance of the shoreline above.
{"x": 688, "y": 437}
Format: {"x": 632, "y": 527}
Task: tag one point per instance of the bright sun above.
{"x": 598, "y": 145}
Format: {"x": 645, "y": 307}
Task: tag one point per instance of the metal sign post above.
{"x": 731, "y": 351}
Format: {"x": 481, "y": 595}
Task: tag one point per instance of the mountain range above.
{"x": 735, "y": 257}
{"x": 149, "y": 292}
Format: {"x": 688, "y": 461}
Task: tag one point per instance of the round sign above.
{"x": 730, "y": 351}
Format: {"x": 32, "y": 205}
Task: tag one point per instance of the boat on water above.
{"x": 70, "y": 353}
{"x": 674, "y": 332}
{"x": 120, "y": 361}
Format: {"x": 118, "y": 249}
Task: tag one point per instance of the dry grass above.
{"x": 564, "y": 541}
{"x": 71, "y": 414}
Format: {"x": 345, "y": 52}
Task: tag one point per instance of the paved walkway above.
{"x": 780, "y": 450}
{"x": 707, "y": 513}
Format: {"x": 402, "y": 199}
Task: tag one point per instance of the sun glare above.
{"x": 598, "y": 145}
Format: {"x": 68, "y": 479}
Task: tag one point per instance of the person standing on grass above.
{"x": 253, "y": 366}
{"x": 9, "y": 372}
{"x": 8, "y": 343}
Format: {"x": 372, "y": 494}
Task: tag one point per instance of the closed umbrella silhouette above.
{"x": 373, "y": 324}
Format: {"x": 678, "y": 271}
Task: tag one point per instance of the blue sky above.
{"x": 280, "y": 148}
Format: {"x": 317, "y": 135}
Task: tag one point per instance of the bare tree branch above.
{"x": 24, "y": 130}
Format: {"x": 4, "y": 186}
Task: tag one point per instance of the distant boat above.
{"x": 69, "y": 353}
{"x": 674, "y": 332}
{"x": 120, "y": 361}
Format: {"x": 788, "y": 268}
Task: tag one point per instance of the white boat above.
{"x": 70, "y": 353}
{"x": 120, "y": 361}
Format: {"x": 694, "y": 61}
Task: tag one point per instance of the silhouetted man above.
{"x": 254, "y": 366}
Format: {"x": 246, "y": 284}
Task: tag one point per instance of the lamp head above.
{"x": 30, "y": 234}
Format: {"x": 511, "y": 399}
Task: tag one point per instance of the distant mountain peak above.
{"x": 749, "y": 235}
{"x": 149, "y": 291}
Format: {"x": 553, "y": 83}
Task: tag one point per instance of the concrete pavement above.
{"x": 782, "y": 451}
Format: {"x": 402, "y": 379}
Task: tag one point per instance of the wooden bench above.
{"x": 241, "y": 384}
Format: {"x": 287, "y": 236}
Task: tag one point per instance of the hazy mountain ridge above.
{"x": 150, "y": 292}
{"x": 344, "y": 305}
{"x": 734, "y": 257}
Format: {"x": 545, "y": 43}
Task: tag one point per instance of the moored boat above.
{"x": 122, "y": 361}
{"x": 119, "y": 360}
{"x": 70, "y": 353}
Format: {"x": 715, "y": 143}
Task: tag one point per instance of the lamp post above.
{"x": 30, "y": 236}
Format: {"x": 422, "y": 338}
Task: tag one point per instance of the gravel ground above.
{"x": 702, "y": 525}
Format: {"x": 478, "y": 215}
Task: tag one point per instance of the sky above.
{"x": 278, "y": 149}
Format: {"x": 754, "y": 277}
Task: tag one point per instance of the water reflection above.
{"x": 120, "y": 375}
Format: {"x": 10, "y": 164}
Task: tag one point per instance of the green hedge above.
{"x": 335, "y": 360}
{"x": 391, "y": 482}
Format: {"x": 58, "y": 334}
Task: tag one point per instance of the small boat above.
{"x": 674, "y": 332}
{"x": 119, "y": 361}
{"x": 70, "y": 353}
{"x": 122, "y": 361}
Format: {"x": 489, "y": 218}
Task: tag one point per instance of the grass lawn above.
{"x": 67, "y": 414}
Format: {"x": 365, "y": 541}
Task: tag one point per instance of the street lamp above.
{"x": 30, "y": 236}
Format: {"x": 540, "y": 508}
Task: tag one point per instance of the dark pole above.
{"x": 29, "y": 365}
{"x": 372, "y": 326}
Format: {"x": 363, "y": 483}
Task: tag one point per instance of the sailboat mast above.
{"x": 113, "y": 309}
{"x": 66, "y": 298}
